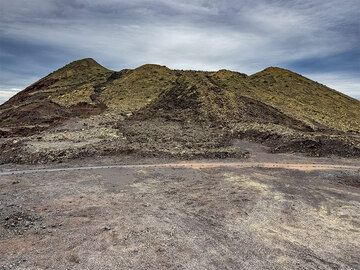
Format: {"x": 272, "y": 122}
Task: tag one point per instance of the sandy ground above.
{"x": 268, "y": 212}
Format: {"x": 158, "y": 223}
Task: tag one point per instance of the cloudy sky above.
{"x": 317, "y": 38}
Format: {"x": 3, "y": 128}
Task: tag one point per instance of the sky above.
{"x": 319, "y": 39}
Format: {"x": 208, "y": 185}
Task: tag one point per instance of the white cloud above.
{"x": 5, "y": 94}
{"x": 340, "y": 82}
{"x": 201, "y": 34}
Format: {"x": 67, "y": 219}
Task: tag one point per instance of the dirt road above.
{"x": 195, "y": 165}
{"x": 289, "y": 214}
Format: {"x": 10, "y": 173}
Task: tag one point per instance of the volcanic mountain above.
{"x": 272, "y": 98}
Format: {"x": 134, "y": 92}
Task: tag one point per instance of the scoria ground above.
{"x": 270, "y": 211}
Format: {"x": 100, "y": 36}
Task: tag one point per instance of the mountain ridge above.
{"x": 86, "y": 87}
{"x": 274, "y": 106}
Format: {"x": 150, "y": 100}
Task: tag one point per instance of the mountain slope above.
{"x": 224, "y": 98}
{"x": 64, "y": 93}
{"x": 136, "y": 88}
{"x": 304, "y": 99}
{"x": 195, "y": 96}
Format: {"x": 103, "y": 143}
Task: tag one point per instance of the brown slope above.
{"x": 136, "y": 88}
{"x": 197, "y": 97}
{"x": 64, "y": 93}
{"x": 272, "y": 96}
{"x": 175, "y": 112}
{"x": 301, "y": 98}
{"x": 70, "y": 79}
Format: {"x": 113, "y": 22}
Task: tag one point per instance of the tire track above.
{"x": 194, "y": 165}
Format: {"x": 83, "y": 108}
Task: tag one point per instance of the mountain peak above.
{"x": 81, "y": 68}
{"x": 86, "y": 62}
{"x": 276, "y": 70}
